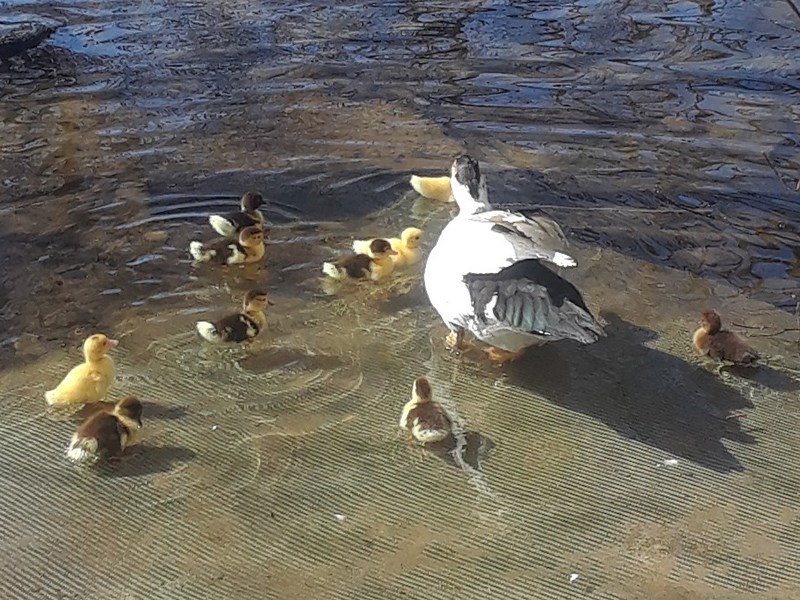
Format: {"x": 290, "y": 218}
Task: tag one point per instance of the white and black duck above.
{"x": 488, "y": 275}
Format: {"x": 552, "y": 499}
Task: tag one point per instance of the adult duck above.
{"x": 488, "y": 275}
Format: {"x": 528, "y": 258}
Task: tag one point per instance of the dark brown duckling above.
{"x": 247, "y": 248}
{"x": 425, "y": 419}
{"x": 107, "y": 433}
{"x": 230, "y": 224}
{"x": 720, "y": 344}
{"x": 240, "y": 327}
{"x": 376, "y": 264}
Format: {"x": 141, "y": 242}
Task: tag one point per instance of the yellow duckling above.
{"x": 90, "y": 381}
{"x": 425, "y": 419}
{"x": 435, "y": 188}
{"x": 240, "y": 327}
{"x": 247, "y": 247}
{"x": 376, "y": 264}
{"x": 107, "y": 433}
{"x": 407, "y": 247}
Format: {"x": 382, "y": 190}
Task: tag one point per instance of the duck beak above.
{"x": 139, "y": 424}
{"x": 270, "y": 303}
{"x": 391, "y": 252}
{"x": 111, "y": 344}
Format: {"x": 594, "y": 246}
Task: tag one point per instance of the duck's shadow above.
{"x": 150, "y": 410}
{"x": 474, "y": 449}
{"x": 144, "y": 460}
{"x": 640, "y": 392}
{"x": 765, "y": 376}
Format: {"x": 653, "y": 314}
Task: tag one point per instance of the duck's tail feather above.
{"x": 208, "y": 331}
{"x": 222, "y": 225}
{"x": 332, "y": 271}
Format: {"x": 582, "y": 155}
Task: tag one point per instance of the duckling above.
{"x": 107, "y": 433}
{"x": 407, "y": 247}
{"x": 425, "y": 419}
{"x": 376, "y": 264}
{"x": 720, "y": 344}
{"x": 243, "y": 326}
{"x": 90, "y": 381}
{"x": 230, "y": 224}
{"x": 435, "y": 188}
{"x": 248, "y": 248}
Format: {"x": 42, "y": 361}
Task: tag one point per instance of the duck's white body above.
{"x": 486, "y": 275}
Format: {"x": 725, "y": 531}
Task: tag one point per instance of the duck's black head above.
{"x": 380, "y": 247}
{"x": 467, "y": 172}
{"x": 131, "y": 408}
{"x": 252, "y": 201}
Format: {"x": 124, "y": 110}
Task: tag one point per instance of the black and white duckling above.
{"x": 107, "y": 433}
{"x": 488, "y": 274}
{"x": 407, "y": 247}
{"x": 240, "y": 327}
{"x": 720, "y": 344}
{"x": 376, "y": 264}
{"x": 230, "y": 224}
{"x": 247, "y": 247}
{"x": 425, "y": 419}
{"x": 435, "y": 188}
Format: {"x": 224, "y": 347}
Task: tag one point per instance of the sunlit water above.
{"x": 663, "y": 139}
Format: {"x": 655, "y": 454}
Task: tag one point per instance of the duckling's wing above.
{"x": 536, "y": 237}
{"x": 530, "y": 298}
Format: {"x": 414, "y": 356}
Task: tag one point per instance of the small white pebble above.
{"x": 339, "y": 517}
{"x": 213, "y": 428}
{"x": 573, "y": 577}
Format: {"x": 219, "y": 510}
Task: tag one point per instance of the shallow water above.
{"x": 663, "y": 140}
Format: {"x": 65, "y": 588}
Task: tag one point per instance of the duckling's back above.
{"x": 87, "y": 382}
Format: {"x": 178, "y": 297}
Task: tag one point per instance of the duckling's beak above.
{"x": 111, "y": 344}
{"x": 392, "y": 252}
{"x": 270, "y": 303}
{"x": 138, "y": 424}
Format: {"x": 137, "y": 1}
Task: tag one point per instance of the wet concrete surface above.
{"x": 664, "y": 140}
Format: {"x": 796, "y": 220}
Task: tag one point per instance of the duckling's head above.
{"x": 380, "y": 248}
{"x": 251, "y": 201}
{"x": 255, "y": 301}
{"x": 710, "y": 321}
{"x": 411, "y": 237}
{"x": 130, "y": 408}
{"x": 467, "y": 185}
{"x": 96, "y": 346}
{"x": 421, "y": 392}
{"x": 251, "y": 236}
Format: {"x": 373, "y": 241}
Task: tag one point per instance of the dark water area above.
{"x": 663, "y": 136}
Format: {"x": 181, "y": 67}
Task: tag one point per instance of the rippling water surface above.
{"x": 662, "y": 135}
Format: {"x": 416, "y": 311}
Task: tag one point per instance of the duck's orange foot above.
{"x": 503, "y": 356}
{"x": 454, "y": 341}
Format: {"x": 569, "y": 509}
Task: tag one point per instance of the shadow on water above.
{"x": 470, "y": 448}
{"x": 150, "y": 410}
{"x": 642, "y": 393}
{"x": 765, "y": 376}
{"x": 148, "y": 460}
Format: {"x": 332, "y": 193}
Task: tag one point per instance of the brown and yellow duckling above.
{"x": 425, "y": 419}
{"x": 230, "y": 224}
{"x": 407, "y": 247}
{"x": 107, "y": 433}
{"x": 240, "y": 327}
{"x": 376, "y": 264}
{"x": 435, "y": 188}
{"x": 90, "y": 381}
{"x": 247, "y": 247}
{"x": 720, "y": 344}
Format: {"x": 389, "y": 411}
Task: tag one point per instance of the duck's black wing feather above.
{"x": 532, "y": 298}
{"x": 237, "y": 328}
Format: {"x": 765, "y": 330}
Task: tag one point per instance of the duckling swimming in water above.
{"x": 240, "y": 327}
{"x": 720, "y": 344}
{"x": 376, "y": 264}
{"x": 407, "y": 247}
{"x": 230, "y": 224}
{"x": 248, "y": 248}
{"x": 90, "y": 381}
{"x": 425, "y": 419}
{"x": 435, "y": 188}
{"x": 107, "y": 433}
